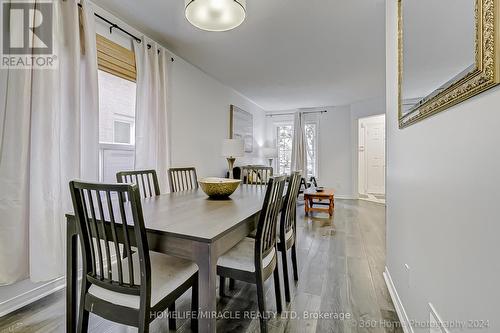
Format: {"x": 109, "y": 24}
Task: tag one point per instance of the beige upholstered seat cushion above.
{"x": 167, "y": 274}
{"x": 241, "y": 256}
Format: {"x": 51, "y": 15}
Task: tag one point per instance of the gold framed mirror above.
{"x": 448, "y": 52}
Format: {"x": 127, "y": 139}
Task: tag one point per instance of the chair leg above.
{"x": 83, "y": 315}
{"x": 143, "y": 328}
{"x": 222, "y": 285}
{"x": 277, "y": 289}
{"x": 294, "y": 264}
{"x": 172, "y": 325}
{"x": 83, "y": 321}
{"x": 232, "y": 284}
{"x": 143, "y": 325}
{"x": 285, "y": 275}
{"x": 194, "y": 306}
{"x": 262, "y": 306}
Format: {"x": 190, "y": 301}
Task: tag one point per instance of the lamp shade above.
{"x": 270, "y": 152}
{"x": 215, "y": 15}
{"x": 233, "y": 148}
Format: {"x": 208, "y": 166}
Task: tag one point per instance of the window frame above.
{"x": 119, "y": 61}
{"x": 277, "y": 124}
{"x": 316, "y": 146}
{"x": 131, "y": 131}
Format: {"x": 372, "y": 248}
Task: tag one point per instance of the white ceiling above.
{"x": 287, "y": 54}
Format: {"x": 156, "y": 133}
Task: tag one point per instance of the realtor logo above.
{"x": 27, "y": 34}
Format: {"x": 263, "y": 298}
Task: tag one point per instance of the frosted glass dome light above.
{"x": 215, "y": 15}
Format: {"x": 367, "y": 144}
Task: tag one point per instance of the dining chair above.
{"x": 304, "y": 185}
{"x": 287, "y": 230}
{"x": 255, "y": 260}
{"x": 130, "y": 291}
{"x": 313, "y": 181}
{"x": 256, "y": 174}
{"x": 253, "y": 175}
{"x": 182, "y": 179}
{"x": 146, "y": 180}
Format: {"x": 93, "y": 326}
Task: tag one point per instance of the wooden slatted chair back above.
{"x": 256, "y": 175}
{"x": 265, "y": 240}
{"x": 289, "y": 211}
{"x": 182, "y": 179}
{"x": 110, "y": 223}
{"x": 146, "y": 180}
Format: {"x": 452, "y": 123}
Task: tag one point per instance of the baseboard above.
{"x": 345, "y": 197}
{"x": 400, "y": 310}
{"x": 373, "y": 201}
{"x": 31, "y": 295}
{"x": 35, "y": 293}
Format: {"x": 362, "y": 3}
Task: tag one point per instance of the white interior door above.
{"x": 375, "y": 157}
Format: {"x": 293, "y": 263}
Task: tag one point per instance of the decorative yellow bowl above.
{"x": 219, "y": 188}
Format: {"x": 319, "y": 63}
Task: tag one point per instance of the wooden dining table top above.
{"x": 193, "y": 215}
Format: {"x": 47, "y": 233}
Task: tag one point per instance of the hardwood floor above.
{"x": 341, "y": 260}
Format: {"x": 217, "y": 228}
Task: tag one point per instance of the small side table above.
{"x": 310, "y": 195}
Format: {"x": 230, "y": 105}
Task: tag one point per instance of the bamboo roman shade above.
{"x": 115, "y": 59}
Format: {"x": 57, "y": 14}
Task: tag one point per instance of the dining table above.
{"x": 186, "y": 224}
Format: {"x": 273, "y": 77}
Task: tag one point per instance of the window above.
{"x": 116, "y": 79}
{"x": 284, "y": 138}
{"x": 123, "y": 132}
{"x": 284, "y": 143}
{"x": 116, "y": 109}
{"x": 117, "y": 87}
{"x": 311, "y": 134}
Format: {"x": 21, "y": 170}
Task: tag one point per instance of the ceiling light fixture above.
{"x": 215, "y": 15}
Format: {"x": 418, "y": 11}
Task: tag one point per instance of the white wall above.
{"x": 443, "y": 205}
{"x": 200, "y": 120}
{"x": 335, "y": 163}
{"x": 199, "y": 111}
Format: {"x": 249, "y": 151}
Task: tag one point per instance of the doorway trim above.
{"x": 357, "y": 167}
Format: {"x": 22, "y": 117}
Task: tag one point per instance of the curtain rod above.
{"x": 116, "y": 26}
{"x": 291, "y": 113}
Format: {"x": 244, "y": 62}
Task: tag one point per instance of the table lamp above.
{"x": 270, "y": 153}
{"x": 232, "y": 148}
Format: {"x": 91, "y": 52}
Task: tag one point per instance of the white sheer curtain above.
{"x": 151, "y": 119}
{"x": 299, "y": 155}
{"x": 49, "y": 135}
{"x": 14, "y": 174}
